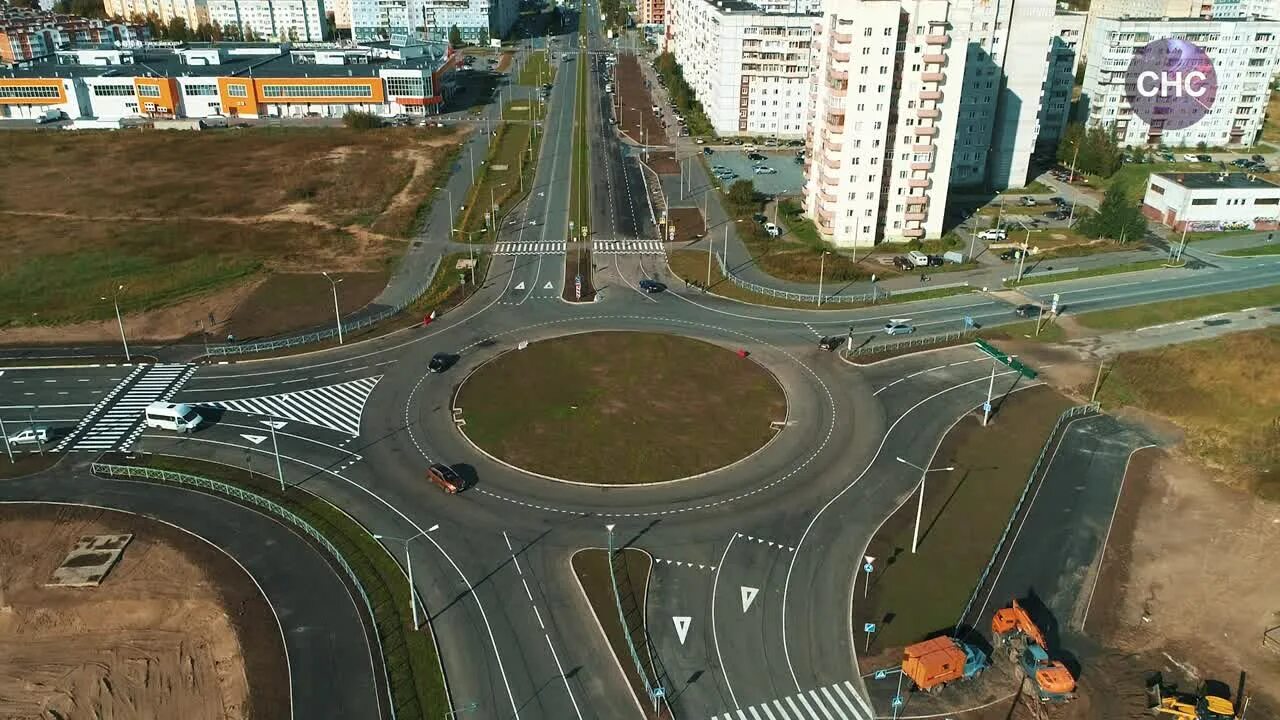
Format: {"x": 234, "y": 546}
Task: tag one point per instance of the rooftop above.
{"x": 1211, "y": 181}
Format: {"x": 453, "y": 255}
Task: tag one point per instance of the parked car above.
{"x": 1167, "y": 157}
{"x": 1189, "y": 157}
{"x": 765, "y": 170}
{"x": 898, "y": 327}
{"x": 39, "y": 435}
{"x": 749, "y": 148}
{"x": 1242, "y": 162}
{"x": 830, "y": 342}
{"x": 706, "y": 150}
{"x": 902, "y": 263}
{"x": 1011, "y": 254}
{"x": 1027, "y": 311}
{"x": 918, "y": 259}
{"x": 1059, "y": 201}
{"x": 773, "y": 230}
{"x": 445, "y": 477}
{"x": 1258, "y": 159}
{"x": 1204, "y": 158}
{"x": 799, "y": 159}
{"x": 755, "y": 156}
{"x": 937, "y": 261}
{"x": 701, "y": 141}
{"x": 651, "y": 286}
{"x": 760, "y": 218}
{"x": 441, "y": 362}
{"x": 993, "y": 234}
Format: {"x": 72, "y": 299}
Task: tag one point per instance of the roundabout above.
{"x": 620, "y": 408}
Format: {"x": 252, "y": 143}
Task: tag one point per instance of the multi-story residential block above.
{"x": 1143, "y": 8}
{"x": 250, "y": 80}
{"x": 1064, "y": 60}
{"x": 193, "y": 12}
{"x": 1245, "y": 54}
{"x": 1269, "y": 9}
{"x": 1212, "y": 201}
{"x": 293, "y": 20}
{"x": 26, "y": 34}
{"x": 476, "y": 20}
{"x": 651, "y": 12}
{"x": 749, "y": 69}
{"x": 341, "y": 10}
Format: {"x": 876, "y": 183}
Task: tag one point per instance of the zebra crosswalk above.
{"x": 549, "y": 247}
{"x": 834, "y": 702}
{"x": 627, "y": 247}
{"x": 336, "y": 407}
{"x": 116, "y": 421}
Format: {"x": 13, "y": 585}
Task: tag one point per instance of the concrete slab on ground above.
{"x": 89, "y": 561}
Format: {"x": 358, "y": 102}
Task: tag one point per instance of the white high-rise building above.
{"x": 192, "y": 12}
{"x": 749, "y": 69}
{"x": 1245, "y": 55}
{"x": 1269, "y": 9}
{"x": 1066, "y": 44}
{"x": 293, "y": 20}
{"x": 1142, "y": 8}
{"x": 476, "y": 20}
{"x": 341, "y": 10}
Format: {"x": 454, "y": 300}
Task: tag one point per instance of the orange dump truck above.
{"x": 934, "y": 663}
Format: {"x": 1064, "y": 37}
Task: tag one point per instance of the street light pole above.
{"x": 991, "y": 386}
{"x": 822, "y": 266}
{"x": 924, "y": 472}
{"x": 276, "y": 449}
{"x": 337, "y": 316}
{"x": 408, "y": 564}
{"x": 8, "y": 448}
{"x": 115, "y": 301}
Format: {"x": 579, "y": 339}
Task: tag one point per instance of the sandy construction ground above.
{"x": 160, "y": 638}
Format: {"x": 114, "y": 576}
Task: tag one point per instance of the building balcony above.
{"x": 933, "y": 77}
{"x": 934, "y": 95}
{"x": 913, "y": 232}
{"x": 917, "y": 148}
{"x": 934, "y": 59}
{"x": 915, "y": 217}
{"x": 920, "y": 200}
{"x": 929, "y": 113}
{"x": 919, "y": 183}
{"x": 841, "y": 37}
{"x": 837, "y": 92}
{"x": 834, "y": 75}
{"x": 926, "y": 130}
{"x": 839, "y": 56}
{"x": 924, "y": 165}
{"x": 823, "y": 214}
{"x": 936, "y": 39}
{"x": 826, "y": 196}
{"x": 835, "y": 123}
{"x": 832, "y": 162}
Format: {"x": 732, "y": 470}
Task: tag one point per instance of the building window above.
{"x": 1205, "y": 201}
{"x": 237, "y": 91}
{"x": 412, "y": 86}
{"x": 29, "y": 92}
{"x": 112, "y": 90}
{"x": 315, "y": 91}
{"x": 149, "y": 91}
{"x": 1267, "y": 201}
{"x": 191, "y": 90}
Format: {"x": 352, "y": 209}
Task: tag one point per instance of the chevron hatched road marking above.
{"x": 336, "y": 407}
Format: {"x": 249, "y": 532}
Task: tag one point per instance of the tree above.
{"x": 1117, "y": 218}
{"x": 293, "y": 34}
{"x": 484, "y": 38}
{"x": 178, "y": 29}
{"x": 357, "y": 120}
{"x": 742, "y": 193}
{"x": 455, "y": 36}
{"x": 1072, "y": 137}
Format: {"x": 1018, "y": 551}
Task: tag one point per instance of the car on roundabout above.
{"x": 651, "y": 286}
{"x": 831, "y": 342}
{"x": 441, "y": 362}
{"x": 446, "y": 478}
{"x": 898, "y": 327}
{"x": 1027, "y": 310}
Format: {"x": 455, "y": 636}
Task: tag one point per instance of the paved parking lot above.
{"x": 787, "y": 181}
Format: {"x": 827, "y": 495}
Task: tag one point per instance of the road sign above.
{"x": 881, "y": 674}
{"x": 577, "y": 287}
{"x": 748, "y": 596}
{"x": 682, "y": 626}
{"x": 868, "y": 567}
{"x": 1005, "y": 360}
{"x": 897, "y": 701}
{"x": 869, "y": 558}
{"x": 868, "y": 627}
{"x": 986, "y": 407}
{"x": 1054, "y": 307}
{"x": 968, "y": 321}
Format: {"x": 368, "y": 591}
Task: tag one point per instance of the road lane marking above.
{"x": 715, "y": 637}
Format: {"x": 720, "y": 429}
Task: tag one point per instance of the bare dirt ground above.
{"x": 177, "y": 630}
{"x": 689, "y": 224}
{"x": 638, "y": 121}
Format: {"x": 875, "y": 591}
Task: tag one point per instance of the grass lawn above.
{"x": 416, "y": 683}
{"x": 1049, "y": 331}
{"x": 1094, "y": 272}
{"x": 1271, "y": 126}
{"x": 1272, "y": 249}
{"x": 1035, "y": 187}
{"x": 1134, "y": 177}
{"x": 620, "y": 407}
{"x": 1198, "y": 236}
{"x": 500, "y": 178}
{"x": 536, "y": 70}
{"x": 1224, "y": 392}
{"x": 1184, "y": 309}
{"x": 524, "y": 110}
{"x": 912, "y": 596}
{"x": 128, "y": 209}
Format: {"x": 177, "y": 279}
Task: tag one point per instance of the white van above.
{"x": 918, "y": 258}
{"x": 178, "y": 417}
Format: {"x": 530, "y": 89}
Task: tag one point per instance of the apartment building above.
{"x": 1245, "y": 53}
{"x": 1143, "y": 8}
{"x": 341, "y": 10}
{"x": 476, "y": 20}
{"x": 651, "y": 12}
{"x": 291, "y": 20}
{"x": 193, "y": 12}
{"x": 26, "y": 34}
{"x": 749, "y": 69}
{"x": 249, "y": 80}
{"x": 1066, "y": 41}
{"x": 1269, "y": 9}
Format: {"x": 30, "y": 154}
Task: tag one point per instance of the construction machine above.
{"x": 1013, "y": 628}
{"x": 934, "y": 663}
{"x": 1166, "y": 700}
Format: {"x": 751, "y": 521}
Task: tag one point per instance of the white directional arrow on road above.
{"x": 682, "y": 626}
{"x": 277, "y": 424}
{"x": 548, "y": 286}
{"x": 748, "y": 596}
{"x": 520, "y": 286}
{"x": 255, "y": 439}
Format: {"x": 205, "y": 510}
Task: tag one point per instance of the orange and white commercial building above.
{"x": 227, "y": 81}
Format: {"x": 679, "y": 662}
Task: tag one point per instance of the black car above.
{"x": 651, "y": 286}
{"x": 1241, "y": 162}
{"x": 1059, "y": 201}
{"x": 1027, "y": 311}
{"x": 936, "y": 261}
{"x": 1258, "y": 159}
{"x": 762, "y": 219}
{"x": 755, "y": 156}
{"x": 902, "y": 263}
{"x": 1011, "y": 254}
{"x": 707, "y": 151}
{"x": 830, "y": 342}
{"x": 1204, "y": 158}
{"x": 441, "y": 362}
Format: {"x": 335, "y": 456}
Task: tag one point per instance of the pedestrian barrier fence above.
{"x": 919, "y": 341}
{"x": 348, "y": 326}
{"x": 1063, "y": 419}
{"x": 871, "y": 297}
{"x": 276, "y": 509}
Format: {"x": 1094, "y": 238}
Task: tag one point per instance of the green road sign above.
{"x": 1004, "y": 359}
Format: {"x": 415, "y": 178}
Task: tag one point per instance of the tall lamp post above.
{"x": 924, "y": 472}
{"x": 822, "y": 267}
{"x": 408, "y": 565}
{"x": 337, "y": 316}
{"x": 115, "y": 301}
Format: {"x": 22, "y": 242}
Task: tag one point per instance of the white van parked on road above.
{"x": 178, "y": 417}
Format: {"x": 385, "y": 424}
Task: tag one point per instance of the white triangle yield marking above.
{"x": 548, "y": 286}
{"x": 520, "y": 286}
{"x": 255, "y": 439}
{"x": 278, "y": 425}
{"x": 748, "y": 596}
{"x": 682, "y": 626}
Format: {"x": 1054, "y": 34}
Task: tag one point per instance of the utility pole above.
{"x": 1097, "y": 382}
{"x": 276, "y": 449}
{"x": 8, "y": 448}
{"x": 991, "y": 386}
{"x": 822, "y": 265}
{"x": 337, "y": 315}
{"x": 115, "y": 301}
{"x": 924, "y": 472}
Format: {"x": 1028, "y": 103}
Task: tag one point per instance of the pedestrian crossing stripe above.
{"x": 549, "y": 247}
{"x": 116, "y": 421}
{"x": 627, "y": 247}
{"x": 336, "y": 407}
{"x": 834, "y": 702}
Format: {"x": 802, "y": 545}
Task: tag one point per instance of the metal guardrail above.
{"x": 270, "y": 506}
{"x": 798, "y": 297}
{"x": 1068, "y": 415}
{"x": 225, "y": 349}
{"x": 920, "y": 341}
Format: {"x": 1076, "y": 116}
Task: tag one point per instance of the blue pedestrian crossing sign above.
{"x": 868, "y": 627}
{"x": 897, "y": 701}
{"x": 881, "y": 674}
{"x": 968, "y": 321}
{"x": 868, "y": 567}
{"x": 986, "y": 407}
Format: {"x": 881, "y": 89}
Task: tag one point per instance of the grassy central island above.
{"x": 620, "y": 408}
